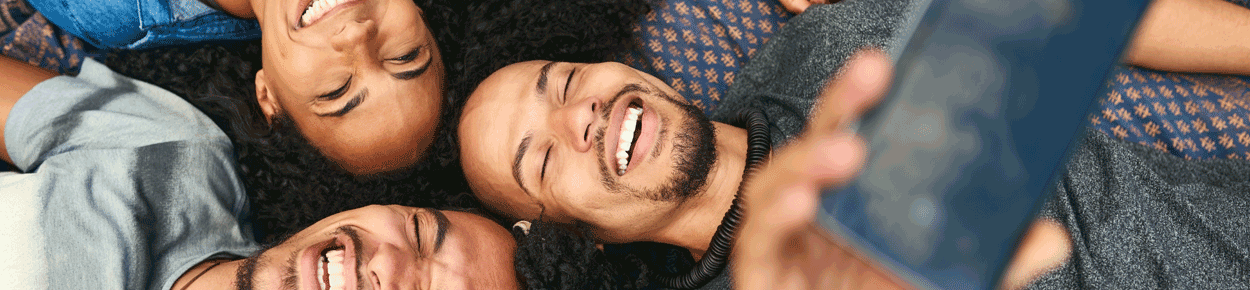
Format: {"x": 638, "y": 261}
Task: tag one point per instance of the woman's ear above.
{"x": 264, "y": 96}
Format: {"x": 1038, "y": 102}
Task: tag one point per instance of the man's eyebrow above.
{"x": 443, "y": 226}
{"x": 516, "y": 161}
{"x": 541, "y": 86}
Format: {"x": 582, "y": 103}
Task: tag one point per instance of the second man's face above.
{"x": 388, "y": 247}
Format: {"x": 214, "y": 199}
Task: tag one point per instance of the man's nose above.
{"x": 391, "y": 268}
{"x": 575, "y": 123}
{"x": 354, "y": 34}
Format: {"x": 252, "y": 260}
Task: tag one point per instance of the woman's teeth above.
{"x": 316, "y": 9}
{"x": 627, "y": 138}
{"x": 330, "y": 270}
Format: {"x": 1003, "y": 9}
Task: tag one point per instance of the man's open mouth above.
{"x": 631, "y": 128}
{"x": 331, "y": 265}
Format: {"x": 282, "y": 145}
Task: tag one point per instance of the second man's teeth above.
{"x": 627, "y": 138}
{"x": 333, "y": 276}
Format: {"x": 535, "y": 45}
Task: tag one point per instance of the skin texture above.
{"x": 564, "y": 132}
{"x": 1206, "y": 36}
{"x": 387, "y": 56}
{"x": 780, "y": 245}
{"x": 798, "y": 6}
{"x": 16, "y": 78}
{"x": 476, "y": 253}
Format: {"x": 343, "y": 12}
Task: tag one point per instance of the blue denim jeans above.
{"x": 136, "y": 24}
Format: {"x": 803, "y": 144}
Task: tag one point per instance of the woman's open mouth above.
{"x": 318, "y": 9}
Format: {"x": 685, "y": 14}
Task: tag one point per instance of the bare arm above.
{"x": 16, "y": 78}
{"x": 1208, "y": 36}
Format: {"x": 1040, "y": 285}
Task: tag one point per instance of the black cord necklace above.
{"x": 717, "y": 255}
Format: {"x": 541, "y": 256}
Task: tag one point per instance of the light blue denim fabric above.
{"x": 137, "y": 24}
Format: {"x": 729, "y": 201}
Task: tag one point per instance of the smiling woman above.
{"x": 341, "y": 69}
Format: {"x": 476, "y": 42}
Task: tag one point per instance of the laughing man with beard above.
{"x": 608, "y": 149}
{"x": 619, "y": 153}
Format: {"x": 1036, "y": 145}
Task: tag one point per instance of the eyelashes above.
{"x": 567, "y": 83}
{"x": 546, "y": 157}
{"x": 338, "y": 93}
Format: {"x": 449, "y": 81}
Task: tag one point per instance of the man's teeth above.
{"x": 318, "y": 8}
{"x": 330, "y": 270}
{"x": 627, "y": 138}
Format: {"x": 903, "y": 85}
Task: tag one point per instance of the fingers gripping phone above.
{"x": 988, "y": 97}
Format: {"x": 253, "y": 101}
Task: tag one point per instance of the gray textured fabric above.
{"x": 1143, "y": 219}
{"x": 128, "y": 185}
{"x": 1139, "y": 218}
{"x": 785, "y": 76}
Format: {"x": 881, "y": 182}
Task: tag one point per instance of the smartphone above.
{"x": 987, "y": 99}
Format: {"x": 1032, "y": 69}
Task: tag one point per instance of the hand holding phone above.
{"x": 780, "y": 245}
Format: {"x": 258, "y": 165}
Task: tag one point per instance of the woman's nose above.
{"x": 354, "y": 33}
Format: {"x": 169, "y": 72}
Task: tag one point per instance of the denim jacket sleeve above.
{"x": 141, "y": 24}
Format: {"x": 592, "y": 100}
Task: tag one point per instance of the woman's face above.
{"x": 361, "y": 79}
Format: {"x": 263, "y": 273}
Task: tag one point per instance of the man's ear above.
{"x": 265, "y": 97}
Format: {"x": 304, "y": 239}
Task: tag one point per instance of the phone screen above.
{"x": 988, "y": 97}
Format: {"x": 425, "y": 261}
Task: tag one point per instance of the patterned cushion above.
{"x": 1196, "y": 116}
{"x": 28, "y": 36}
{"x": 697, "y": 45}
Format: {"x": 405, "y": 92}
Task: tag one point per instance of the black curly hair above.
{"x": 291, "y": 185}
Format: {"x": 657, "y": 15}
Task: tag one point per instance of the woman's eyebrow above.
{"x": 352, "y": 104}
{"x": 412, "y": 74}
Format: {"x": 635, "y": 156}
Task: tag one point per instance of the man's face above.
{"x": 362, "y": 79}
{"x": 388, "y": 247}
{"x": 601, "y": 144}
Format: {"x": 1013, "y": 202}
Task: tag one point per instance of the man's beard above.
{"x": 245, "y": 276}
{"x": 694, "y": 151}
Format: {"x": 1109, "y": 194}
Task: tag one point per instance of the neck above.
{"x": 240, "y": 8}
{"x": 219, "y": 277}
{"x": 697, "y": 218}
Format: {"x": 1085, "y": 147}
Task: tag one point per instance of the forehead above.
{"x": 496, "y": 117}
{"x": 481, "y": 251}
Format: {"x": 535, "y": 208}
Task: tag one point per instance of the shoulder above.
{"x": 101, "y": 109}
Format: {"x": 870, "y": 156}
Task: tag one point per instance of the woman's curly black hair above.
{"x": 291, "y": 185}
{"x": 556, "y": 256}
